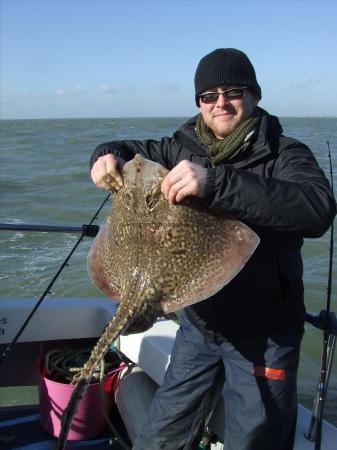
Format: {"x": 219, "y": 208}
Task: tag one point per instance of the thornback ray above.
{"x": 195, "y": 252}
{"x": 156, "y": 258}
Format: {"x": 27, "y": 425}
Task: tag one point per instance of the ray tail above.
{"x": 124, "y": 317}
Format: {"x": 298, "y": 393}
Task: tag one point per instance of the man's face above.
{"x": 224, "y": 115}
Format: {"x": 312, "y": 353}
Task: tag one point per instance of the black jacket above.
{"x": 276, "y": 187}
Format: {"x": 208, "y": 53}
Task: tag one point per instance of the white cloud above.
{"x": 74, "y": 91}
{"x": 106, "y": 88}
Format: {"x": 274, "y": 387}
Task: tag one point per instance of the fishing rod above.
{"x": 47, "y": 290}
{"x": 328, "y": 323}
{"x": 88, "y": 230}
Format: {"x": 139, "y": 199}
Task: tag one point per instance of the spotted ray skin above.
{"x": 156, "y": 258}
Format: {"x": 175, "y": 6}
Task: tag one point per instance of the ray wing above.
{"x": 197, "y": 254}
{"x": 103, "y": 263}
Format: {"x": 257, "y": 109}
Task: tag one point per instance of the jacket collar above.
{"x": 262, "y": 144}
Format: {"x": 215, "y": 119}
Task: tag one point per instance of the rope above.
{"x": 60, "y": 365}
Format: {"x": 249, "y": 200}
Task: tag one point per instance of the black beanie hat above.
{"x": 225, "y": 66}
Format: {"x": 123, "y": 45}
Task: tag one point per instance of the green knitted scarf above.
{"x": 221, "y": 149}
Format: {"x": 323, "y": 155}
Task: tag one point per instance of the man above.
{"x": 246, "y": 338}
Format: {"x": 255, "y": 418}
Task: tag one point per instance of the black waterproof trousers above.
{"x": 257, "y": 377}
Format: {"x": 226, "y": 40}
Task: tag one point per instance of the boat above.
{"x": 79, "y": 322}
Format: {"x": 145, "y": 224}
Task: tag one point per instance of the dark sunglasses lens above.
{"x": 234, "y": 93}
{"x": 230, "y": 94}
{"x": 209, "y": 98}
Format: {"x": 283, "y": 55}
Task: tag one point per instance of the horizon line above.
{"x": 298, "y": 116}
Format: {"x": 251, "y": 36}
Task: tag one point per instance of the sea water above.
{"x": 45, "y": 180}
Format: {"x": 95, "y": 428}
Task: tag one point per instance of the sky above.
{"x": 110, "y": 58}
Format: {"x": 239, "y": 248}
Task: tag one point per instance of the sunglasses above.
{"x": 229, "y": 94}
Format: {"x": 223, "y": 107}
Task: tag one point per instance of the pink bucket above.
{"x": 89, "y": 419}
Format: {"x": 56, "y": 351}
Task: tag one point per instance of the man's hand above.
{"x": 105, "y": 173}
{"x": 185, "y": 179}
